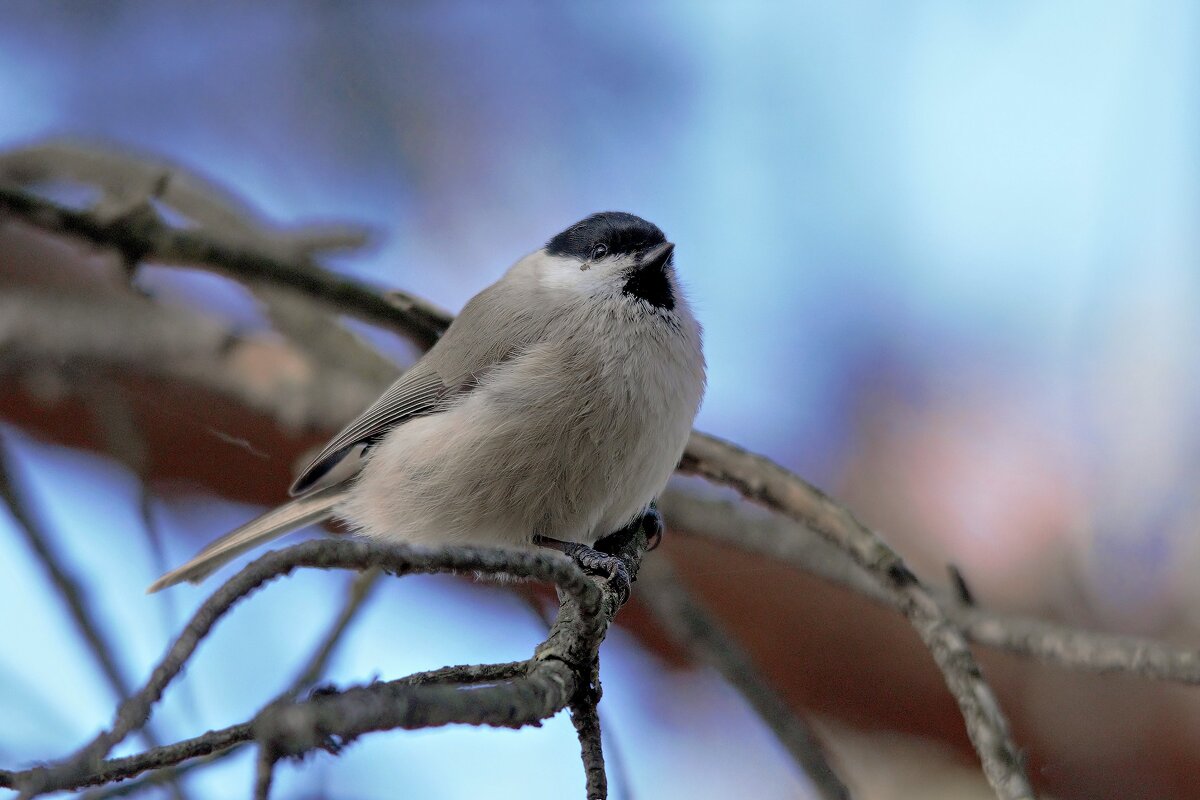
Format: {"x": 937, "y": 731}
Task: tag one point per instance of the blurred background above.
{"x": 947, "y": 261}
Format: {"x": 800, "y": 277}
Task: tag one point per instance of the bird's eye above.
{"x": 599, "y": 251}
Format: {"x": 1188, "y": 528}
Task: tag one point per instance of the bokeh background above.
{"x": 947, "y": 260}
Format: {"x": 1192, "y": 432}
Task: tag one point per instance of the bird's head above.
{"x": 611, "y": 254}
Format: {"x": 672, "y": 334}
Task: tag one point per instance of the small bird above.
{"x": 553, "y": 409}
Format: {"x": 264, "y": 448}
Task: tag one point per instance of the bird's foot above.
{"x": 593, "y": 562}
{"x": 599, "y": 560}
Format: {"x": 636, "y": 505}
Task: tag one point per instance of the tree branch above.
{"x": 360, "y": 590}
{"x": 585, "y": 715}
{"x": 129, "y": 182}
{"x": 143, "y": 237}
{"x": 546, "y": 685}
{"x": 769, "y": 484}
{"x": 214, "y": 743}
{"x": 690, "y": 624}
{"x": 785, "y": 540}
{"x": 72, "y": 593}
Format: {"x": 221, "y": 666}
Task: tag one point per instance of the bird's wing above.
{"x": 416, "y": 393}
{"x": 493, "y": 327}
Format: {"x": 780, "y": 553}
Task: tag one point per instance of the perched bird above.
{"x": 555, "y": 407}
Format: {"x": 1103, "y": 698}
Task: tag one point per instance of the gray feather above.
{"x": 312, "y": 508}
{"x": 492, "y": 327}
{"x": 417, "y": 392}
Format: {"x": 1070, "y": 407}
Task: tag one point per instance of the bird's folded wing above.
{"x": 417, "y": 392}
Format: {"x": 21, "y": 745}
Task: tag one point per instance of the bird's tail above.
{"x": 311, "y": 508}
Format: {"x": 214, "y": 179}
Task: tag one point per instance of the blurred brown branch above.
{"x": 142, "y": 236}
{"x": 128, "y": 182}
{"x": 785, "y": 540}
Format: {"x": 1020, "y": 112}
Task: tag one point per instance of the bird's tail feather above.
{"x": 306, "y": 510}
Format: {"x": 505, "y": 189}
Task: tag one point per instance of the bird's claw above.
{"x": 611, "y": 568}
{"x": 599, "y": 560}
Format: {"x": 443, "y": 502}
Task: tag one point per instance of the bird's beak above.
{"x": 657, "y": 256}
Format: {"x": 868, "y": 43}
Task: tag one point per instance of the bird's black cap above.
{"x": 618, "y": 231}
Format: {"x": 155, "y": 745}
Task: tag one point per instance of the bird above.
{"x": 554, "y": 408}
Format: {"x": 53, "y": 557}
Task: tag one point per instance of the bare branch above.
{"x": 128, "y": 182}
{"x": 144, "y": 237}
{"x": 318, "y": 554}
{"x": 264, "y": 772}
{"x": 785, "y": 540}
{"x": 585, "y": 715}
{"x": 159, "y": 773}
{"x": 360, "y": 590}
{"x": 72, "y": 593}
{"x": 693, "y": 627}
{"x": 119, "y": 769}
{"x": 181, "y": 755}
{"x": 546, "y": 685}
{"x": 765, "y": 482}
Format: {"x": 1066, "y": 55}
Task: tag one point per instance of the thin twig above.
{"x": 360, "y": 590}
{"x": 71, "y": 591}
{"x": 693, "y": 627}
{"x": 264, "y": 772}
{"x": 67, "y": 585}
{"x": 202, "y": 750}
{"x": 159, "y": 776}
{"x": 119, "y": 769}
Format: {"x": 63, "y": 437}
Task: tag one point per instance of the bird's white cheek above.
{"x": 571, "y": 279}
{"x": 566, "y": 275}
